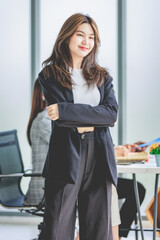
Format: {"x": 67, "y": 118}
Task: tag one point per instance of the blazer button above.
{"x": 83, "y": 136}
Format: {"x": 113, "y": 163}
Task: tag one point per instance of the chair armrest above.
{"x": 21, "y": 175}
{"x": 32, "y": 175}
{"x": 12, "y": 175}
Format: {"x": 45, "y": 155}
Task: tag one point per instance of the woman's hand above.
{"x": 85, "y": 129}
{"x": 121, "y": 151}
{"x": 53, "y": 112}
{"x": 133, "y": 148}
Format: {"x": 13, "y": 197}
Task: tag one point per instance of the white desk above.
{"x": 144, "y": 168}
{"x": 148, "y": 167}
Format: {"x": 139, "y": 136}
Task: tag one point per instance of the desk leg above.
{"x": 138, "y": 204}
{"x": 155, "y": 207}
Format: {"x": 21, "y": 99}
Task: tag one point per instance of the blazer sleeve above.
{"x": 102, "y": 115}
{"x": 81, "y": 115}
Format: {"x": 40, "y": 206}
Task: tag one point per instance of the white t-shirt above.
{"x": 81, "y": 92}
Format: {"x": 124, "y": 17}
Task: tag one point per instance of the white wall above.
{"x": 15, "y": 70}
{"x": 143, "y": 77}
{"x": 53, "y": 15}
{"x": 143, "y": 65}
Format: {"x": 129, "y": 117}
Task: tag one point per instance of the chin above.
{"x": 84, "y": 54}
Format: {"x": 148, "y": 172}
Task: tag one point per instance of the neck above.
{"x": 77, "y": 62}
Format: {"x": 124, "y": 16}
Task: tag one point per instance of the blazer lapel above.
{"x": 101, "y": 90}
{"x": 68, "y": 95}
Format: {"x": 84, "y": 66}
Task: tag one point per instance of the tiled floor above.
{"x": 25, "y": 228}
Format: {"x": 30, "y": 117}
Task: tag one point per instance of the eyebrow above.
{"x": 84, "y": 32}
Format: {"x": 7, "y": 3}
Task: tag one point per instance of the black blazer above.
{"x": 63, "y": 159}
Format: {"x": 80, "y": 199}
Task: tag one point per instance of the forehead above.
{"x": 85, "y": 28}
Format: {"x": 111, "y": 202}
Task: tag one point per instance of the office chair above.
{"x": 11, "y": 173}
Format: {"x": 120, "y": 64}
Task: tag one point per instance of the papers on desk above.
{"x": 132, "y": 158}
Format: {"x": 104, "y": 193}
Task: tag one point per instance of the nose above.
{"x": 85, "y": 41}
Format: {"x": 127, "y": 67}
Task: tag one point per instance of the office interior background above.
{"x": 130, "y": 50}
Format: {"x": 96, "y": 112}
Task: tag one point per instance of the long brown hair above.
{"x": 38, "y": 105}
{"x": 60, "y": 59}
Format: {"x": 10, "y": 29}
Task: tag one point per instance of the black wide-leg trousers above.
{"x": 93, "y": 192}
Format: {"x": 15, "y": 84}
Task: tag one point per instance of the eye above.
{"x": 91, "y": 38}
{"x": 79, "y": 34}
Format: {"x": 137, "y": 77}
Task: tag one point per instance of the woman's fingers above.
{"x": 121, "y": 151}
{"x": 53, "y": 111}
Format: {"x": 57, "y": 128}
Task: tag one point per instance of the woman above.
{"x": 38, "y": 133}
{"x": 81, "y": 102}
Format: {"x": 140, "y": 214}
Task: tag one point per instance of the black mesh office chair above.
{"x": 11, "y": 173}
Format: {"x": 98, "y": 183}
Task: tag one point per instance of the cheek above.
{"x": 71, "y": 46}
{"x": 91, "y": 45}
{"x": 72, "y": 43}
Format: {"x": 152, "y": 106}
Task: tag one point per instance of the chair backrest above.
{"x": 10, "y": 162}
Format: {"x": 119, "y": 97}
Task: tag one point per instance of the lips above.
{"x": 83, "y": 48}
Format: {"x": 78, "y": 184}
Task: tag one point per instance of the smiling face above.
{"x": 82, "y": 42}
